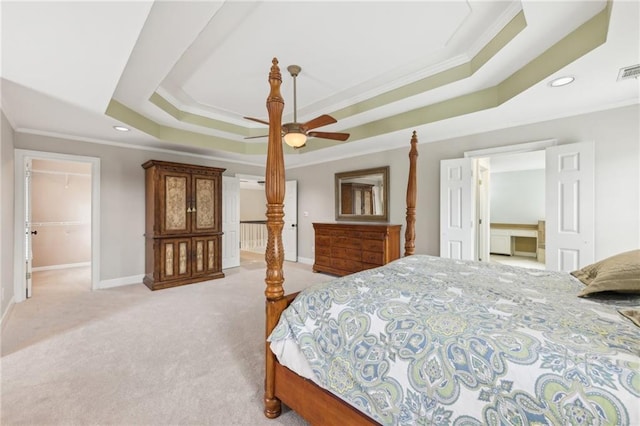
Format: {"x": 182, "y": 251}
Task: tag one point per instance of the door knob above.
{"x": 34, "y": 232}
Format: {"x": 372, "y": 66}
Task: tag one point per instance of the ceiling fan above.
{"x": 295, "y": 134}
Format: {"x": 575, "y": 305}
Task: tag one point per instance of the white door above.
{"x": 230, "y": 222}
{"x": 457, "y": 209}
{"x": 569, "y": 206}
{"x": 290, "y": 230}
{"x": 27, "y": 228}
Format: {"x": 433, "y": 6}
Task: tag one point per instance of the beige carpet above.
{"x": 190, "y": 355}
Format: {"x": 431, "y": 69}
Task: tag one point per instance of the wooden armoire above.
{"x": 183, "y": 232}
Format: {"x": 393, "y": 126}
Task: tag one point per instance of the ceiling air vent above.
{"x": 629, "y": 72}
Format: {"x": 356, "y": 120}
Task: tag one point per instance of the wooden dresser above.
{"x": 344, "y": 248}
{"x": 183, "y": 232}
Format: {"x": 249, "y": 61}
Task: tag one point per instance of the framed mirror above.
{"x": 362, "y": 195}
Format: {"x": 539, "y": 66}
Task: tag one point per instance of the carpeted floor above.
{"x": 190, "y": 355}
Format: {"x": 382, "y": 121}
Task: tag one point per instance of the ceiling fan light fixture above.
{"x": 295, "y": 139}
{"x": 294, "y": 133}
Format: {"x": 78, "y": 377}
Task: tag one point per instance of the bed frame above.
{"x": 316, "y": 405}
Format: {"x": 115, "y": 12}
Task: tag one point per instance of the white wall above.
{"x": 517, "y": 197}
{"x": 6, "y": 213}
{"x": 253, "y": 204}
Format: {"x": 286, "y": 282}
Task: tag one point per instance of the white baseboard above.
{"x": 305, "y": 260}
{"x": 5, "y": 316}
{"x": 64, "y": 266}
{"x": 118, "y": 282}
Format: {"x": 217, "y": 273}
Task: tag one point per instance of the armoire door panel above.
{"x": 205, "y": 205}
{"x": 175, "y": 258}
{"x": 174, "y": 200}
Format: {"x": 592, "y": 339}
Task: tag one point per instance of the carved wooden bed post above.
{"x": 410, "y": 232}
{"x": 274, "y": 255}
{"x": 305, "y": 397}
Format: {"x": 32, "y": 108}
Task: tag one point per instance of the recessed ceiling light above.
{"x": 121, "y": 128}
{"x": 561, "y": 81}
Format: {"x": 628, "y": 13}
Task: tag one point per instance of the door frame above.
{"x": 512, "y": 149}
{"x": 290, "y": 229}
{"x": 20, "y": 156}
{"x": 483, "y": 211}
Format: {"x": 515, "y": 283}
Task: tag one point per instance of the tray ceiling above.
{"x": 182, "y": 75}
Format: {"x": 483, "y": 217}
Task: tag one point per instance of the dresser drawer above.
{"x": 345, "y": 242}
{"x": 372, "y": 245}
{"x": 323, "y": 240}
{"x": 323, "y": 260}
{"x": 346, "y": 253}
{"x": 346, "y": 264}
{"x": 346, "y": 233}
{"x": 323, "y": 250}
{"x": 373, "y": 236}
{"x": 372, "y": 257}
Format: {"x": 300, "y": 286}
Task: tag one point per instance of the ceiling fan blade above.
{"x": 323, "y": 120}
{"x": 330, "y": 135}
{"x": 257, "y": 120}
{"x": 256, "y": 137}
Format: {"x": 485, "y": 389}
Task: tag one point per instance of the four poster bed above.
{"x": 427, "y": 340}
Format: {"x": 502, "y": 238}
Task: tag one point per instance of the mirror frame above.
{"x": 384, "y": 217}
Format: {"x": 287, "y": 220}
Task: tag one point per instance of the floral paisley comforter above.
{"x": 426, "y": 340}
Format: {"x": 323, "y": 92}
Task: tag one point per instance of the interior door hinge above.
{"x": 28, "y": 275}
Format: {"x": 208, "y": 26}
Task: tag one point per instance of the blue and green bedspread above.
{"x": 427, "y": 340}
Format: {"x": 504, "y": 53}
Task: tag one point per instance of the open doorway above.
{"x": 253, "y": 224}
{"x": 244, "y": 222}
{"x": 513, "y": 187}
{"x": 64, "y": 193}
{"x": 59, "y": 200}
